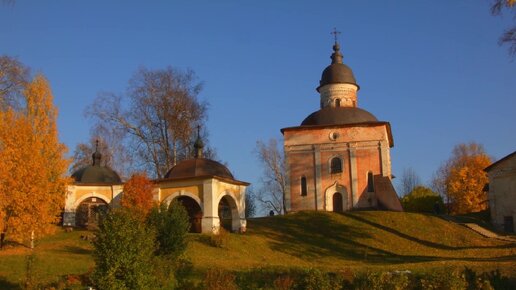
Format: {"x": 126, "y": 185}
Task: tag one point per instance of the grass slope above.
{"x": 354, "y": 241}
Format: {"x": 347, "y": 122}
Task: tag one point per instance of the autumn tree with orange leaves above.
{"x": 32, "y": 165}
{"x": 461, "y": 179}
{"x": 138, "y": 194}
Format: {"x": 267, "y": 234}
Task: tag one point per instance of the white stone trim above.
{"x": 336, "y": 187}
{"x": 180, "y": 193}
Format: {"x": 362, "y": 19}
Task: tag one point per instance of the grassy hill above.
{"x": 354, "y": 241}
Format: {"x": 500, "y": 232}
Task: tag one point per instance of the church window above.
{"x": 304, "y": 190}
{"x": 370, "y": 182}
{"x": 337, "y": 102}
{"x": 336, "y": 165}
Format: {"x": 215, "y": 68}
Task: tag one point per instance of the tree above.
{"x": 421, "y": 199}
{"x": 137, "y": 195}
{"x": 250, "y": 205}
{"x": 171, "y": 226}
{"x": 273, "y": 184}
{"x": 14, "y": 77}
{"x": 408, "y": 181}
{"x": 123, "y": 252}
{"x": 160, "y": 117}
{"x": 462, "y": 178}
{"x": 509, "y": 36}
{"x": 32, "y": 165}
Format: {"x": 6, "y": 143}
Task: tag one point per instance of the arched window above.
{"x": 304, "y": 190}
{"x": 337, "y": 102}
{"x": 370, "y": 182}
{"x": 336, "y": 165}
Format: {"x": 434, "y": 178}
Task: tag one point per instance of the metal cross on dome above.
{"x": 335, "y": 33}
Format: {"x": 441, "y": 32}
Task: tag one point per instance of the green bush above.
{"x": 383, "y": 280}
{"x": 443, "y": 280}
{"x": 123, "y": 253}
{"x": 171, "y": 226}
{"x": 422, "y": 199}
{"x": 316, "y": 280}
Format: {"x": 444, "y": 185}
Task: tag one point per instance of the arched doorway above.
{"x": 89, "y": 211}
{"x": 228, "y": 214}
{"x": 337, "y": 202}
{"x": 194, "y": 213}
{"x": 225, "y": 214}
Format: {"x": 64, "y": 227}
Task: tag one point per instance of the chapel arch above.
{"x": 89, "y": 211}
{"x": 194, "y": 212}
{"x": 229, "y": 216}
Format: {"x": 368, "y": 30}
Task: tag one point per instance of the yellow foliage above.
{"x": 465, "y": 182}
{"x": 138, "y": 194}
{"x": 32, "y": 165}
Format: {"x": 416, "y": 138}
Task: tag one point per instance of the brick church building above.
{"x": 339, "y": 159}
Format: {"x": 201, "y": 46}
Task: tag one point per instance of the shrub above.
{"x": 316, "y": 280}
{"x": 284, "y": 282}
{"x": 171, "y": 227}
{"x": 123, "y": 253}
{"x": 217, "y": 279}
{"x": 422, "y": 199}
{"x": 220, "y": 240}
{"x": 444, "y": 280}
{"x": 383, "y": 280}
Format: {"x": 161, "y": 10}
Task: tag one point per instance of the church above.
{"x": 338, "y": 159}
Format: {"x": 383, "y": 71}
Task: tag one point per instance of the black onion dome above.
{"x": 337, "y": 72}
{"x": 339, "y": 116}
{"x": 197, "y": 167}
{"x": 95, "y": 174}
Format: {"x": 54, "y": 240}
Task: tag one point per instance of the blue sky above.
{"x": 431, "y": 68}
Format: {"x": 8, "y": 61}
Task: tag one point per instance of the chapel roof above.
{"x": 95, "y": 173}
{"x": 197, "y": 167}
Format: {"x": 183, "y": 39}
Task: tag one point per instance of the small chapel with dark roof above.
{"x": 211, "y": 195}
{"x": 338, "y": 159}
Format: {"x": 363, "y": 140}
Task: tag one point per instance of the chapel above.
{"x": 207, "y": 189}
{"x": 94, "y": 189}
{"x": 338, "y": 158}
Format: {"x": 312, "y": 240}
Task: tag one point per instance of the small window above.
{"x": 336, "y": 165}
{"x": 370, "y": 182}
{"x": 304, "y": 190}
{"x": 337, "y": 102}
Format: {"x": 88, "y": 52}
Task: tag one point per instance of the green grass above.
{"x": 58, "y": 255}
{"x": 356, "y": 241}
{"x": 353, "y": 241}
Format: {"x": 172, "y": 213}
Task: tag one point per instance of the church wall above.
{"x": 345, "y": 134}
{"x": 305, "y": 147}
{"x": 343, "y": 178}
{"x": 301, "y": 164}
{"x": 368, "y": 159}
{"x": 502, "y": 192}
